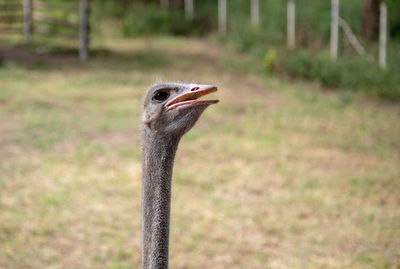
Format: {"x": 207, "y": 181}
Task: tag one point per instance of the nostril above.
{"x": 195, "y": 89}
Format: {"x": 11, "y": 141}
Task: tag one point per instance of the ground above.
{"x": 279, "y": 174}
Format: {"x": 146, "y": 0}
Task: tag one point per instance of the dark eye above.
{"x": 161, "y": 96}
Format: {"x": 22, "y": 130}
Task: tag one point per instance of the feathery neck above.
{"x": 158, "y": 158}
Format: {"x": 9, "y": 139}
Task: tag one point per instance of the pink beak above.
{"x": 190, "y": 98}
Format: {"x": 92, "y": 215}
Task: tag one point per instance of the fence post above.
{"x": 164, "y": 4}
{"x": 222, "y": 17}
{"x": 84, "y": 30}
{"x": 255, "y": 12}
{"x": 383, "y": 35}
{"x": 28, "y": 21}
{"x": 291, "y": 24}
{"x": 189, "y": 9}
{"x": 334, "y": 29}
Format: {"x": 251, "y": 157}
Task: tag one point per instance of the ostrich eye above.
{"x": 161, "y": 96}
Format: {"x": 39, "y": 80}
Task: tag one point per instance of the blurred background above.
{"x": 298, "y": 166}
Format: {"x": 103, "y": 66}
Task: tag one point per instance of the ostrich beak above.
{"x": 190, "y": 98}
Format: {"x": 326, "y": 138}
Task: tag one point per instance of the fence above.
{"x": 11, "y": 18}
{"x": 69, "y": 20}
{"x": 337, "y": 23}
{"x": 48, "y": 22}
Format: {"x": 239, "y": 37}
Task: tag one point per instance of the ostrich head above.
{"x": 171, "y": 109}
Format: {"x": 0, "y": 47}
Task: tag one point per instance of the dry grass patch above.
{"x": 278, "y": 175}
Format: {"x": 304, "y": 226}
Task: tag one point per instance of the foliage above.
{"x": 248, "y": 39}
{"x": 394, "y": 17}
{"x": 313, "y": 31}
{"x": 107, "y": 9}
{"x": 354, "y": 73}
{"x": 270, "y": 60}
{"x": 149, "y": 20}
{"x": 311, "y": 14}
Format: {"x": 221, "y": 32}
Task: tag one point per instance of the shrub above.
{"x": 390, "y": 93}
{"x": 248, "y": 39}
{"x": 270, "y": 59}
{"x": 105, "y": 9}
{"x": 149, "y": 20}
{"x": 356, "y": 73}
{"x": 300, "y": 64}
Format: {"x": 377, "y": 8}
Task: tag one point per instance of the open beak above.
{"x": 190, "y": 98}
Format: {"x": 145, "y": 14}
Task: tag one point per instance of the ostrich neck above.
{"x": 158, "y": 160}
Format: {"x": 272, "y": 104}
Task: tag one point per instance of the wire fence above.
{"x": 68, "y": 22}
{"x": 337, "y": 23}
{"x": 47, "y": 22}
{"x": 11, "y": 19}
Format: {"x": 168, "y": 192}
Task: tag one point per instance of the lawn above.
{"x": 279, "y": 174}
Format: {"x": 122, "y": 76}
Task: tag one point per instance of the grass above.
{"x": 280, "y": 174}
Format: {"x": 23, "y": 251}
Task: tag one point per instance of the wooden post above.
{"x": 164, "y": 4}
{"x": 28, "y": 21}
{"x": 383, "y": 35}
{"x": 255, "y": 12}
{"x": 189, "y": 9}
{"x": 84, "y": 30}
{"x": 335, "y": 30}
{"x": 291, "y": 24}
{"x": 351, "y": 37}
{"x": 222, "y": 17}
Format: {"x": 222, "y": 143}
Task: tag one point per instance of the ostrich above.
{"x": 170, "y": 110}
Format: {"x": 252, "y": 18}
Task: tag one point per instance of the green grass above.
{"x": 279, "y": 174}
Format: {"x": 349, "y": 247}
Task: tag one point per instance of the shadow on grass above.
{"x": 45, "y": 58}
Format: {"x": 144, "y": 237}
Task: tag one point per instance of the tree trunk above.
{"x": 370, "y": 19}
{"x": 178, "y": 4}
